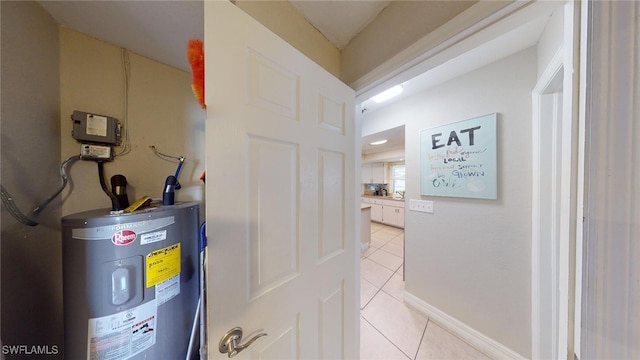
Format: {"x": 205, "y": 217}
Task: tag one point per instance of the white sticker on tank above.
{"x": 153, "y": 237}
{"x": 167, "y": 289}
{"x": 123, "y": 335}
{"x": 105, "y": 232}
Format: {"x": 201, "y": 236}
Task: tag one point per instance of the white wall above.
{"x": 472, "y": 258}
{"x": 30, "y": 129}
{"x": 551, "y": 39}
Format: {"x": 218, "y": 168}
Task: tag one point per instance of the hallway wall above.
{"x": 471, "y": 259}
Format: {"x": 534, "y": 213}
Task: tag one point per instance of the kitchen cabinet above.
{"x": 376, "y": 208}
{"x": 373, "y": 173}
{"x": 389, "y": 212}
{"x": 365, "y": 227}
{"x": 393, "y": 213}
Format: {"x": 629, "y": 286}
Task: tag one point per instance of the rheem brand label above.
{"x": 123, "y": 237}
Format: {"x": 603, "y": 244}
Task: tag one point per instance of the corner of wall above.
{"x": 31, "y": 256}
{"x": 282, "y": 18}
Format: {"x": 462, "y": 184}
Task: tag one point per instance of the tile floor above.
{"x": 389, "y": 330}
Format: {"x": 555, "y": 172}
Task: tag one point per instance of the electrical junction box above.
{"x": 94, "y": 128}
{"x": 96, "y": 152}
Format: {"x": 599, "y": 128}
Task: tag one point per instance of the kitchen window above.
{"x": 397, "y": 177}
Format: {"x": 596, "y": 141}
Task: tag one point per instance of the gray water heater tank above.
{"x": 130, "y": 283}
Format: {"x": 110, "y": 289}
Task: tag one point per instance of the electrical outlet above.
{"x": 421, "y": 205}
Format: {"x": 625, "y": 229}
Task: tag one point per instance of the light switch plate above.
{"x": 421, "y": 205}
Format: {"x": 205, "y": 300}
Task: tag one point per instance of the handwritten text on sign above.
{"x": 459, "y": 159}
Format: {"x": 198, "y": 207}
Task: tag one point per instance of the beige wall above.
{"x": 47, "y": 72}
{"x": 398, "y": 26}
{"x": 162, "y": 112}
{"x": 283, "y": 19}
{"x": 31, "y": 295}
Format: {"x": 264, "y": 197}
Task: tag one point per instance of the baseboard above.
{"x": 473, "y": 337}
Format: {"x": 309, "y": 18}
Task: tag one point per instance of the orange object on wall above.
{"x": 195, "y": 55}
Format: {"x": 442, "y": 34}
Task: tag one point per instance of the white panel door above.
{"x": 281, "y": 204}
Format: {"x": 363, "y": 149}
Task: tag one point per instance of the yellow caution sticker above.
{"x": 162, "y": 264}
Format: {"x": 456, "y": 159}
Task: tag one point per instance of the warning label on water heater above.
{"x": 122, "y": 335}
{"x": 162, "y": 264}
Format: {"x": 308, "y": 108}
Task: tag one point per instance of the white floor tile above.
{"x": 403, "y": 326}
{"x": 368, "y": 252}
{"x": 374, "y": 346}
{"x": 375, "y": 273}
{"x": 440, "y": 344}
{"x": 367, "y": 291}
{"x": 398, "y": 240}
{"x": 391, "y": 230}
{"x": 393, "y": 248}
{"x": 386, "y": 259}
{"x": 395, "y": 287}
{"x": 378, "y": 243}
{"x": 383, "y": 235}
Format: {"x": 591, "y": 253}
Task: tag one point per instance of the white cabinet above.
{"x": 365, "y": 228}
{"x": 390, "y": 212}
{"x": 373, "y": 173}
{"x": 376, "y": 208}
{"x": 393, "y": 213}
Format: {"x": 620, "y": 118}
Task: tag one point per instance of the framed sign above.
{"x": 459, "y": 159}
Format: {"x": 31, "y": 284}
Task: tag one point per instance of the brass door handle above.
{"x": 231, "y": 342}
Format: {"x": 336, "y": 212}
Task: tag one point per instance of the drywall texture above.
{"x": 551, "y": 39}
{"x": 161, "y": 111}
{"x": 29, "y": 122}
{"x": 398, "y": 26}
{"x": 285, "y": 21}
{"x": 472, "y": 258}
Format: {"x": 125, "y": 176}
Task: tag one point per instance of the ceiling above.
{"x": 507, "y": 43}
{"x": 394, "y": 137}
{"x": 340, "y": 21}
{"x": 160, "y": 30}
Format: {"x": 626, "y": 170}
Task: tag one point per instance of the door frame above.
{"x": 548, "y": 289}
{"x": 553, "y": 290}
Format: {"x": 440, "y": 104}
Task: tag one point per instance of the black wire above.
{"x": 114, "y": 199}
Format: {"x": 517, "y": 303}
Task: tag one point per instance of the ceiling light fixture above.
{"x": 388, "y": 94}
{"x": 378, "y": 142}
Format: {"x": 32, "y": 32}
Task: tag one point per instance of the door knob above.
{"x": 231, "y": 342}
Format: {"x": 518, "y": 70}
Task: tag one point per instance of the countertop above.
{"x": 382, "y": 197}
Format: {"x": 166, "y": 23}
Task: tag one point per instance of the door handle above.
{"x": 230, "y": 342}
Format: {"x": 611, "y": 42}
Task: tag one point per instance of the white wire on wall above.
{"x": 126, "y": 73}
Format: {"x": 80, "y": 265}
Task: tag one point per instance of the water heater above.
{"x": 130, "y": 282}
